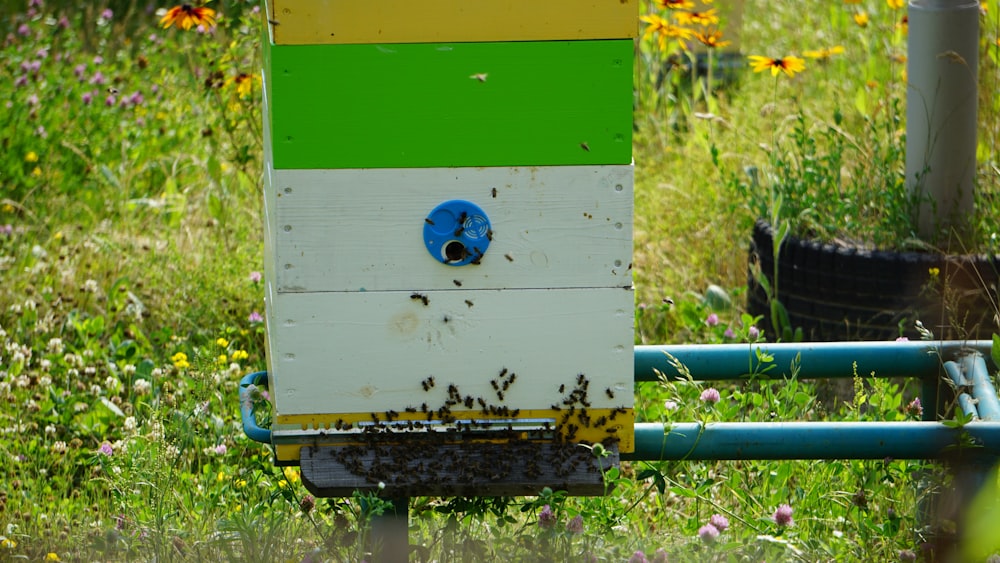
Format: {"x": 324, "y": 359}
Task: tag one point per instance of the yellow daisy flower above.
{"x": 187, "y": 16}
{"x": 788, "y": 65}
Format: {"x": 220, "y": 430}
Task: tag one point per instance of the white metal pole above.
{"x": 941, "y": 111}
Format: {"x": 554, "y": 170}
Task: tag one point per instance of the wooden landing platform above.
{"x": 463, "y": 469}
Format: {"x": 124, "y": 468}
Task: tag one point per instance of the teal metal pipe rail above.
{"x": 808, "y": 440}
{"x": 978, "y": 375}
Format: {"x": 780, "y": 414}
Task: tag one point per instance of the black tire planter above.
{"x": 836, "y": 292}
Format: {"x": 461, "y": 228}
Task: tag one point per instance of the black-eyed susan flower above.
{"x": 244, "y": 84}
{"x": 675, "y": 4}
{"x": 862, "y": 19}
{"x": 788, "y": 65}
{"x": 824, "y": 53}
{"x": 707, "y": 17}
{"x": 664, "y": 30}
{"x": 187, "y": 16}
{"x": 711, "y": 39}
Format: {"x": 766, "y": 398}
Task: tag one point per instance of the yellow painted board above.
{"x": 311, "y": 22}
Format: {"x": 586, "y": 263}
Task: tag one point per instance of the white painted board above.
{"x": 349, "y": 352}
{"x": 362, "y": 229}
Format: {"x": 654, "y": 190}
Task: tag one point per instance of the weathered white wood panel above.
{"x": 350, "y": 352}
{"x": 362, "y": 229}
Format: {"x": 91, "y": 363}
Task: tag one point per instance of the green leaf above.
{"x": 995, "y": 350}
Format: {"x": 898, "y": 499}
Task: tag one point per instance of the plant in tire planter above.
{"x": 851, "y": 267}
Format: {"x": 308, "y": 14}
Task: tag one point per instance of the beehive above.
{"x": 448, "y": 219}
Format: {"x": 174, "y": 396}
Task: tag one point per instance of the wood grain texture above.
{"x": 370, "y": 351}
{"x": 475, "y": 469}
{"x": 450, "y": 104}
{"x": 362, "y": 230}
{"x": 405, "y": 21}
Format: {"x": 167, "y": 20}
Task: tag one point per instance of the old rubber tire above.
{"x": 835, "y": 292}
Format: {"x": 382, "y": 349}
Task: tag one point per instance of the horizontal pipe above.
{"x": 987, "y": 404}
{"x": 806, "y": 440}
{"x": 713, "y": 362}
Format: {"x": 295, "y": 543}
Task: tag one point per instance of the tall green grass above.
{"x": 131, "y": 235}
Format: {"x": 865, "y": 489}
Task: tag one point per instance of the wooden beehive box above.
{"x": 448, "y": 212}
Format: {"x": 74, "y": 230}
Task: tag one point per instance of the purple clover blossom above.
{"x": 220, "y": 449}
{"x": 110, "y": 100}
{"x": 711, "y": 395}
{"x": 712, "y": 319}
{"x": 783, "y": 516}
{"x": 719, "y": 521}
{"x": 575, "y": 526}
{"x": 255, "y": 277}
{"x": 753, "y": 332}
{"x": 42, "y": 53}
{"x": 98, "y": 79}
{"x": 546, "y": 518}
{"x": 87, "y": 97}
{"x": 106, "y": 449}
{"x": 107, "y": 14}
{"x": 98, "y": 60}
{"x": 660, "y": 555}
{"x": 907, "y": 555}
{"x": 63, "y": 22}
{"x": 136, "y": 99}
{"x": 729, "y": 333}
{"x": 33, "y": 100}
{"x": 915, "y": 408}
{"x": 21, "y": 81}
{"x": 79, "y": 71}
{"x": 638, "y": 557}
{"x": 23, "y": 30}
{"x": 902, "y": 339}
{"x": 255, "y": 317}
{"x": 708, "y": 533}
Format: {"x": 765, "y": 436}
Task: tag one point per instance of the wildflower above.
{"x": 59, "y": 447}
{"x": 712, "y": 320}
{"x": 52, "y": 556}
{"x": 240, "y": 355}
{"x": 307, "y": 503}
{"x": 907, "y": 555}
{"x": 708, "y": 533}
{"x": 789, "y": 65}
{"x": 187, "y": 16}
{"x": 222, "y": 359}
{"x": 255, "y": 277}
{"x": 33, "y": 100}
{"x": 915, "y": 408}
{"x": 130, "y": 424}
{"x": 255, "y": 317}
{"x": 575, "y": 526}
{"x": 862, "y": 19}
{"x": 895, "y": 4}
{"x": 710, "y": 395}
{"x": 638, "y": 557}
{"x": 708, "y": 17}
{"x": 934, "y": 272}
{"x": 32, "y": 156}
{"x": 107, "y": 14}
{"x": 670, "y": 405}
{"x": 711, "y": 39}
{"x": 220, "y": 449}
{"x": 664, "y": 30}
{"x": 783, "y": 516}
{"x": 23, "y": 30}
{"x": 222, "y": 342}
{"x": 244, "y": 86}
{"x": 825, "y": 52}
{"x": 7, "y": 543}
{"x": 180, "y": 361}
{"x": 675, "y": 4}
{"x": 719, "y": 521}
{"x": 730, "y": 334}
{"x": 105, "y": 449}
{"x": 141, "y": 386}
{"x": 546, "y": 518}
{"x": 87, "y": 98}
{"x": 753, "y": 332}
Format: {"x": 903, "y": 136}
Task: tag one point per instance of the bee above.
{"x": 452, "y": 390}
{"x": 513, "y": 376}
{"x": 390, "y": 415}
{"x": 500, "y": 395}
{"x": 469, "y": 401}
{"x": 428, "y": 221}
{"x": 420, "y": 297}
{"x": 493, "y": 382}
{"x": 462, "y": 217}
{"x": 457, "y": 283}
{"x": 459, "y": 230}
{"x": 503, "y": 372}
{"x": 430, "y": 380}
{"x": 585, "y": 147}
{"x": 410, "y": 409}
{"x": 493, "y": 192}
{"x": 612, "y": 430}
{"x": 489, "y": 234}
{"x": 555, "y": 407}
{"x": 514, "y": 413}
{"x": 468, "y": 303}
{"x": 609, "y": 393}
{"x": 340, "y": 424}
{"x": 580, "y": 378}
{"x": 509, "y": 257}
{"x": 481, "y": 402}
{"x": 562, "y": 388}
{"x": 425, "y": 386}
{"x": 601, "y": 421}
{"x": 480, "y": 76}
{"x": 273, "y": 22}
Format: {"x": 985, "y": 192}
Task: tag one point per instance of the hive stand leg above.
{"x": 390, "y": 533}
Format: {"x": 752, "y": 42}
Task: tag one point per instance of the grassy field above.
{"x": 131, "y": 252}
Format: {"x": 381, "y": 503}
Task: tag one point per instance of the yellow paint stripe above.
{"x": 311, "y": 22}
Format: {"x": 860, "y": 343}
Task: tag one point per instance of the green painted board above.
{"x": 450, "y": 104}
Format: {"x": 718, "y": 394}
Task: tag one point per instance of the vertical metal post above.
{"x": 390, "y": 533}
{"x": 941, "y": 110}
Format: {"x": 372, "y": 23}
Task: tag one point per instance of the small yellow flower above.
{"x": 862, "y": 19}
{"x": 7, "y": 543}
{"x": 934, "y": 272}
{"x": 675, "y": 4}
{"x": 32, "y": 156}
{"x": 664, "y": 30}
{"x": 789, "y": 65}
{"x": 36, "y": 172}
{"x": 180, "y": 360}
{"x": 221, "y": 476}
{"x": 825, "y": 53}
{"x": 7, "y": 208}
{"x": 283, "y": 484}
{"x": 52, "y": 556}
{"x": 222, "y": 359}
{"x": 292, "y": 474}
{"x": 711, "y": 39}
{"x": 240, "y": 483}
{"x": 244, "y": 84}
{"x": 222, "y": 342}
{"x": 895, "y": 4}
{"x": 240, "y": 355}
